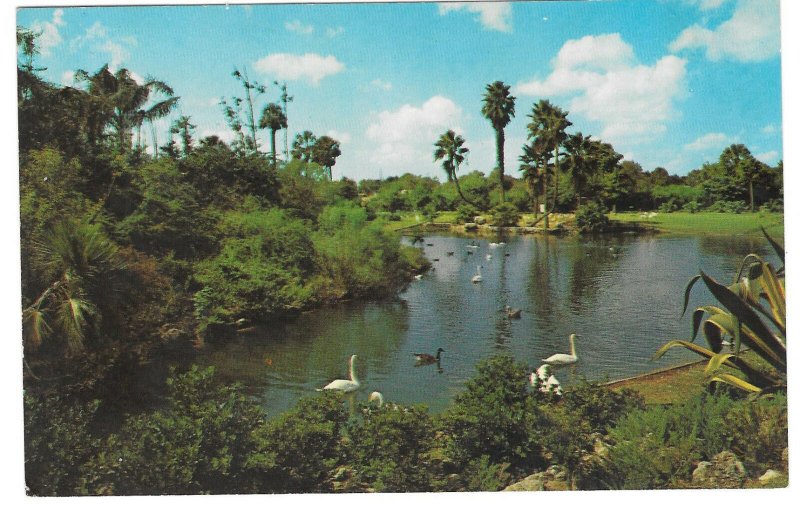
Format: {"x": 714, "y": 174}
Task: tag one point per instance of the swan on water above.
{"x": 417, "y": 276}
{"x": 488, "y": 257}
{"x": 425, "y": 358}
{"x": 345, "y": 385}
{"x": 564, "y": 359}
{"x": 513, "y": 313}
{"x": 377, "y": 397}
{"x": 477, "y": 278}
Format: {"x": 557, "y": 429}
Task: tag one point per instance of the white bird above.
{"x": 377, "y": 397}
{"x": 417, "y": 276}
{"x": 488, "y": 257}
{"x": 492, "y": 244}
{"x": 345, "y": 385}
{"x": 552, "y": 385}
{"x": 542, "y": 373}
{"x": 477, "y": 278}
{"x": 564, "y": 359}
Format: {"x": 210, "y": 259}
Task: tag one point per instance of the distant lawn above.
{"x": 709, "y": 222}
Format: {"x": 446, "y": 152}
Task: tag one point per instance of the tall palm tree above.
{"x": 303, "y": 146}
{"x": 548, "y": 124}
{"x": 273, "y": 118}
{"x": 498, "y": 108}
{"x": 451, "y": 151}
{"x": 325, "y": 152}
{"x": 183, "y": 127}
{"x": 578, "y": 149}
{"x": 533, "y": 164}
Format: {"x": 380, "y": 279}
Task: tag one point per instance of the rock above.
{"x": 532, "y": 483}
{"x": 554, "y": 478}
{"x": 601, "y": 448}
{"x": 479, "y": 220}
{"x": 769, "y": 476}
{"x": 723, "y": 471}
{"x": 470, "y": 226}
{"x": 340, "y": 474}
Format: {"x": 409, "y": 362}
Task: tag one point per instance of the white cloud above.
{"x": 492, "y": 15}
{"x": 606, "y": 84}
{"x": 342, "y": 137}
{"x": 768, "y": 157}
{"x": 311, "y": 66}
{"x": 403, "y": 139}
{"x": 334, "y": 31}
{"x": 752, "y": 34}
{"x": 97, "y": 36}
{"x": 769, "y": 129}
{"x": 706, "y": 5}
{"x": 49, "y": 37}
{"x": 298, "y": 27}
{"x": 68, "y": 79}
{"x": 708, "y": 141}
{"x": 380, "y": 84}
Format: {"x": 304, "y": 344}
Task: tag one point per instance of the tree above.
{"x": 533, "y": 164}
{"x": 325, "y": 152}
{"x": 578, "y": 150}
{"x": 549, "y": 123}
{"x": 303, "y": 146}
{"x": 232, "y": 109}
{"x": 183, "y": 127}
{"x": 498, "y": 108}
{"x": 274, "y": 119}
{"x": 451, "y": 151}
{"x": 739, "y": 162}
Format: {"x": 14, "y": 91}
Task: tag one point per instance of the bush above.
{"x": 496, "y": 416}
{"x": 465, "y": 213}
{"x": 201, "y": 443}
{"x": 728, "y": 207}
{"x": 389, "y": 449}
{"x": 773, "y": 205}
{"x": 691, "y": 207}
{"x": 505, "y": 214}
{"x": 591, "y": 217}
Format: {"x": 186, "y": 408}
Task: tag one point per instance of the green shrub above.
{"x": 600, "y": 406}
{"x": 481, "y": 475}
{"x": 759, "y": 432}
{"x": 465, "y": 213}
{"x": 495, "y": 416}
{"x": 200, "y": 443}
{"x": 505, "y": 214}
{"x": 728, "y": 207}
{"x": 591, "y": 217}
{"x": 691, "y": 207}
{"x": 389, "y": 449}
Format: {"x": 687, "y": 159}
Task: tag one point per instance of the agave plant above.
{"x": 753, "y": 316}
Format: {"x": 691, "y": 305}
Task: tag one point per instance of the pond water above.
{"x": 622, "y": 295}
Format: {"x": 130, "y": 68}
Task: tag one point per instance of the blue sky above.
{"x": 669, "y": 82}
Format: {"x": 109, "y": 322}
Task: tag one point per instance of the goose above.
{"x": 345, "y": 385}
{"x": 477, "y": 278}
{"x": 564, "y": 359}
{"x": 451, "y": 253}
{"x": 513, "y": 313}
{"x": 425, "y": 358}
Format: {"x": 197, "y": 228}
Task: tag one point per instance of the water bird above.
{"x": 501, "y": 243}
{"x": 435, "y": 259}
{"x": 488, "y": 257}
{"x": 507, "y": 254}
{"x": 469, "y": 252}
{"x": 513, "y": 313}
{"x": 473, "y": 245}
{"x": 552, "y": 385}
{"x": 425, "y": 358}
{"x": 377, "y": 397}
{"x": 451, "y": 253}
{"x": 345, "y": 385}
{"x": 492, "y": 244}
{"x": 417, "y": 276}
{"x": 564, "y": 359}
{"x": 477, "y": 278}
{"x": 429, "y": 244}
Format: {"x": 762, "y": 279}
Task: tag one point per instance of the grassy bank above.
{"x": 708, "y": 223}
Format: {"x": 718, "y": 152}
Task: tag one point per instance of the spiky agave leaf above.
{"x": 34, "y": 327}
{"x": 73, "y": 317}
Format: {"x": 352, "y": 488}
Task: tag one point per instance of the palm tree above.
{"x": 183, "y": 127}
{"x": 498, "y": 108}
{"x": 548, "y": 123}
{"x": 533, "y": 164}
{"x": 578, "y": 150}
{"x": 303, "y": 146}
{"x": 273, "y": 118}
{"x": 325, "y": 152}
{"x": 451, "y": 151}
{"x": 79, "y": 263}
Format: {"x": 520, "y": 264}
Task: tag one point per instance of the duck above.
{"x": 425, "y": 358}
{"x": 473, "y": 245}
{"x": 513, "y": 313}
{"x": 564, "y": 359}
{"x": 346, "y": 385}
{"x": 477, "y": 278}
{"x": 451, "y": 253}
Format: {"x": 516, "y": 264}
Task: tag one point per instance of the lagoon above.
{"x": 621, "y": 294}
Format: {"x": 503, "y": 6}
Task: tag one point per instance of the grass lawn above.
{"x": 710, "y": 223}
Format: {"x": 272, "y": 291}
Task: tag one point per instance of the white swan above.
{"x": 564, "y": 359}
{"x": 477, "y": 278}
{"x": 417, "y": 276}
{"x": 552, "y": 385}
{"x": 377, "y": 397}
{"x": 345, "y": 385}
{"x": 488, "y": 257}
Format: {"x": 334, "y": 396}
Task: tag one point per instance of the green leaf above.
{"x": 777, "y": 247}
{"x": 687, "y": 292}
{"x": 737, "y": 382}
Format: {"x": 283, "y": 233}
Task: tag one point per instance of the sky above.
{"x": 669, "y": 82}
